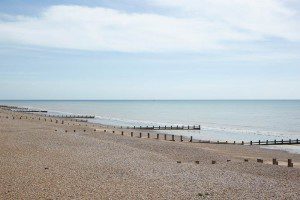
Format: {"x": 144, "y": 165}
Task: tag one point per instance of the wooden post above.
{"x": 140, "y": 135}
{"x": 246, "y": 160}
{"x": 275, "y": 162}
{"x": 267, "y": 141}
{"x": 250, "y": 142}
{"x": 242, "y": 142}
{"x": 181, "y": 138}
{"x": 188, "y": 127}
{"x": 290, "y": 164}
{"x": 131, "y": 134}
{"x": 290, "y": 141}
{"x": 197, "y": 162}
{"x": 275, "y": 142}
{"x": 191, "y": 140}
{"x": 260, "y": 160}
{"x": 157, "y": 136}
{"x": 233, "y": 142}
{"x": 173, "y": 138}
{"x": 122, "y": 133}
{"x": 165, "y": 136}
{"x": 259, "y": 142}
{"x": 213, "y": 162}
{"x": 148, "y": 135}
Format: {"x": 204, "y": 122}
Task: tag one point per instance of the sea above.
{"x": 220, "y": 120}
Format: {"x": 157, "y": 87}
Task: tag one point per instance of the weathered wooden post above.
{"x": 267, "y": 141}
{"x": 259, "y": 160}
{"x": 113, "y": 131}
{"x": 148, "y": 135}
{"x": 275, "y": 162}
{"x": 188, "y": 127}
{"x": 250, "y": 142}
{"x": 290, "y": 164}
{"x": 181, "y": 138}
{"x": 290, "y": 141}
{"x": 275, "y": 142}
{"x": 131, "y": 134}
{"x": 242, "y": 142}
{"x": 62, "y": 122}
{"x": 173, "y": 138}
{"x": 122, "y": 133}
{"x": 157, "y": 136}
{"x": 213, "y": 162}
{"x": 233, "y": 142}
{"x": 165, "y": 136}
{"x": 191, "y": 140}
{"x": 140, "y": 135}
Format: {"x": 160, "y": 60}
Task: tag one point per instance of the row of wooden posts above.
{"x": 198, "y": 127}
{"x": 266, "y": 142}
{"x": 274, "y": 161}
{"x": 259, "y": 160}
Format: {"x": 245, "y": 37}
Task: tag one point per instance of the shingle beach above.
{"x": 42, "y": 159}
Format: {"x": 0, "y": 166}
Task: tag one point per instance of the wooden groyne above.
{"x": 72, "y": 116}
{"x": 30, "y": 111}
{"x": 198, "y": 127}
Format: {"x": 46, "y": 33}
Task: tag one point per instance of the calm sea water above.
{"x": 220, "y": 120}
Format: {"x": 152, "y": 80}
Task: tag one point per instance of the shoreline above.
{"x": 97, "y": 164}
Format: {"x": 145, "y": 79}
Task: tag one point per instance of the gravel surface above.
{"x": 40, "y": 160}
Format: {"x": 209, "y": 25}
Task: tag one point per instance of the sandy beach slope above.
{"x": 40, "y": 160}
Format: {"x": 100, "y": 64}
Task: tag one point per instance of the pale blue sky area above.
{"x": 149, "y": 49}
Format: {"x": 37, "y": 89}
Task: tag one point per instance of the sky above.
{"x": 150, "y": 49}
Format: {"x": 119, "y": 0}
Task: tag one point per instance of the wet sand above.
{"x": 40, "y": 160}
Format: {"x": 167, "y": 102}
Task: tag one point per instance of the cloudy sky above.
{"x": 150, "y": 49}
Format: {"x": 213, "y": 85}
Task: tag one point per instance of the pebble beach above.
{"x": 42, "y": 159}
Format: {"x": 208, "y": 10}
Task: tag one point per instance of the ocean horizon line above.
{"x": 149, "y": 99}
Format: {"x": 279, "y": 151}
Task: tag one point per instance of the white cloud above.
{"x": 196, "y": 26}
